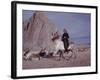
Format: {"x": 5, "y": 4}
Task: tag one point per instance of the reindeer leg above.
{"x": 39, "y": 57}
{"x": 62, "y": 55}
{"x": 74, "y": 55}
{"x": 59, "y": 55}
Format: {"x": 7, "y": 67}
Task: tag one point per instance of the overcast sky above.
{"x": 77, "y": 24}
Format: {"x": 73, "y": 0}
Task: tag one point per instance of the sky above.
{"x": 77, "y": 24}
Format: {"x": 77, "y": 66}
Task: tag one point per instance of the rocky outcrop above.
{"x": 37, "y": 32}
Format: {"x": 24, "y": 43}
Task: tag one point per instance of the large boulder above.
{"x": 37, "y": 32}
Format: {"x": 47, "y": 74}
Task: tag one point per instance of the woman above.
{"x": 65, "y": 39}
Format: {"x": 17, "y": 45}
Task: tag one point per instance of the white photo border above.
{"x": 18, "y": 70}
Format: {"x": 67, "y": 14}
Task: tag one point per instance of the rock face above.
{"x": 37, "y": 32}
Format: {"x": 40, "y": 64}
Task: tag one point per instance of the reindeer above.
{"x": 28, "y": 55}
{"x": 59, "y": 47}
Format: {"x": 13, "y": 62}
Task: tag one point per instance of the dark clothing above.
{"x": 42, "y": 54}
{"x": 65, "y": 39}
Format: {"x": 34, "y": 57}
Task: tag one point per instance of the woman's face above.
{"x": 65, "y": 30}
